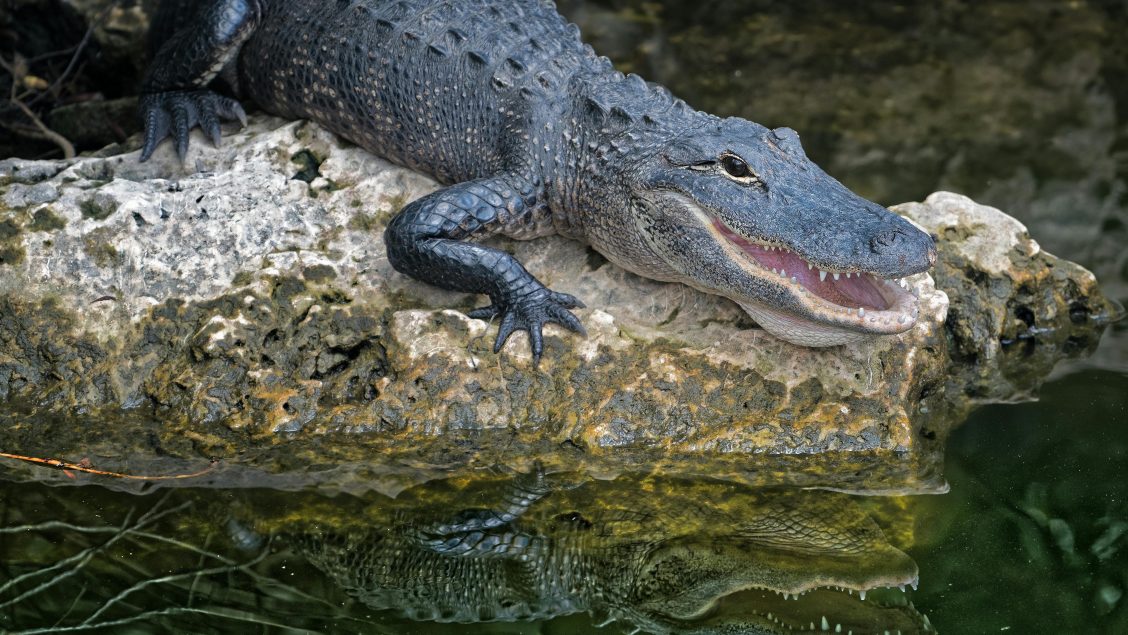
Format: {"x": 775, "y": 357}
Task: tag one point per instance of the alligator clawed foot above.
{"x": 530, "y": 313}
{"x": 175, "y": 113}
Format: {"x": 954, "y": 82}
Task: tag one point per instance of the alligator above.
{"x": 534, "y": 134}
{"x": 685, "y": 557}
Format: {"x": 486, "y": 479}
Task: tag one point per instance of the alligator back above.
{"x": 433, "y": 86}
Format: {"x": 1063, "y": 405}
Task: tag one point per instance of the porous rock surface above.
{"x": 244, "y": 301}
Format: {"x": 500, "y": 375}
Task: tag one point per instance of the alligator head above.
{"x": 736, "y": 209}
{"x": 756, "y": 584}
{"x": 796, "y": 562}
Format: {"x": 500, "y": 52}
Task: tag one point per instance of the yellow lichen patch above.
{"x": 274, "y": 405}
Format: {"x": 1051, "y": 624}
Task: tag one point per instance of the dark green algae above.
{"x": 15, "y": 222}
{"x": 11, "y": 251}
{"x": 46, "y": 219}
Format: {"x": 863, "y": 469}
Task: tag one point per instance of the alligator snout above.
{"x": 888, "y": 240}
{"x": 909, "y": 246}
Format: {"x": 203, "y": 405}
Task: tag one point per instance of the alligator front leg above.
{"x": 425, "y": 241}
{"x": 174, "y": 95}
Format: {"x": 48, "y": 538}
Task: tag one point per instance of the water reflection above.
{"x": 639, "y": 554}
{"x": 660, "y": 555}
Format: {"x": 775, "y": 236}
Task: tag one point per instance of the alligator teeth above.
{"x": 862, "y": 594}
{"x": 835, "y": 276}
{"x": 847, "y": 275}
{"x": 825, "y": 625}
{"x": 901, "y": 320}
{"x": 861, "y": 312}
{"x": 775, "y": 271}
{"x": 794, "y": 280}
{"x": 822, "y": 276}
{"x": 782, "y": 272}
{"x": 810, "y": 266}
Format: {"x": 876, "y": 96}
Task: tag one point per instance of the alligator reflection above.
{"x": 660, "y": 556}
{"x": 649, "y": 554}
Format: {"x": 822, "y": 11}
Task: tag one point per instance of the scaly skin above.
{"x": 534, "y": 134}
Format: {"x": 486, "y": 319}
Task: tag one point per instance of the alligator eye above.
{"x": 735, "y": 166}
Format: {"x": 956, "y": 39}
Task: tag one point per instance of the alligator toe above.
{"x": 530, "y": 313}
{"x": 175, "y": 113}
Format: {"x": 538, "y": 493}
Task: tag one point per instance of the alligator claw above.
{"x": 530, "y": 313}
{"x": 175, "y": 113}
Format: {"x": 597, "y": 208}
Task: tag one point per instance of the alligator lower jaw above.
{"x": 839, "y": 307}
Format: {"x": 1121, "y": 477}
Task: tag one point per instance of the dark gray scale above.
{"x": 402, "y": 80}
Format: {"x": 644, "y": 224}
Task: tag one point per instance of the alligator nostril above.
{"x": 886, "y": 239}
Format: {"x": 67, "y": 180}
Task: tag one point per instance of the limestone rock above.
{"x": 1015, "y": 309}
{"x": 245, "y": 302}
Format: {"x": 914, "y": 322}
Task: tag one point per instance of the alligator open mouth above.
{"x": 840, "y": 302}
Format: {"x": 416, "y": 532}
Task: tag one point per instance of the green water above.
{"x": 1019, "y": 105}
{"x": 1033, "y": 537}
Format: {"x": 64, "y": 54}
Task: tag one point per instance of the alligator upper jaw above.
{"x": 837, "y": 307}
